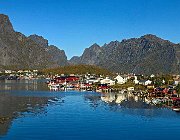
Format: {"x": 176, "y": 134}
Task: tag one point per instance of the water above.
{"x": 31, "y": 112}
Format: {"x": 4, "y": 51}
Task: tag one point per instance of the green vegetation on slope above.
{"x": 77, "y": 69}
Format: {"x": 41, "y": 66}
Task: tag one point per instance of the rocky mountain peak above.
{"x": 95, "y": 45}
{"x": 21, "y": 52}
{"x": 114, "y": 43}
{"x": 39, "y": 40}
{"x": 74, "y": 60}
{"x": 89, "y": 56}
{"x": 151, "y": 37}
{"x": 5, "y": 24}
{"x": 147, "y": 54}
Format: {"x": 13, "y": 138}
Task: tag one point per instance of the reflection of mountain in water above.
{"x": 23, "y": 85}
{"x": 11, "y": 106}
{"x": 93, "y": 99}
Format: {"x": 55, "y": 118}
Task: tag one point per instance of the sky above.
{"x": 73, "y": 25}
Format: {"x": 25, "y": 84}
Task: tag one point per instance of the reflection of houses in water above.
{"x": 126, "y": 103}
{"x": 108, "y": 97}
{"x": 125, "y": 99}
{"x": 129, "y": 104}
{"x": 120, "y": 98}
{"x": 112, "y": 97}
{"x": 93, "y": 100}
{"x": 136, "y": 99}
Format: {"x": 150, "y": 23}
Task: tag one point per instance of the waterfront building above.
{"x": 120, "y": 79}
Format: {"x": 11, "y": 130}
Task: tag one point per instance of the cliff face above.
{"x": 20, "y": 52}
{"x": 147, "y": 54}
{"x": 57, "y": 57}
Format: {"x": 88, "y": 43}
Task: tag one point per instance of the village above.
{"x": 156, "y": 89}
{"x": 130, "y": 82}
{"x": 19, "y": 74}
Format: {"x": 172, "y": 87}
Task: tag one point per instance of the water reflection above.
{"x": 127, "y": 100}
{"x": 129, "y": 104}
{"x": 74, "y": 114}
{"x": 11, "y": 107}
{"x": 17, "y": 98}
{"x": 94, "y": 99}
{"x": 23, "y": 85}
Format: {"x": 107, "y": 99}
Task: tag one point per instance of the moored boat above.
{"x": 54, "y": 87}
{"x": 176, "y": 109}
{"x": 176, "y": 104}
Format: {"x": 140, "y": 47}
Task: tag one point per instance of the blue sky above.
{"x": 74, "y": 25}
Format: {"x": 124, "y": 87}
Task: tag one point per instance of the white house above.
{"x": 92, "y": 80}
{"x": 152, "y": 76}
{"x": 107, "y": 81}
{"x": 148, "y": 82}
{"x": 145, "y": 82}
{"x": 176, "y": 82}
{"x": 120, "y": 79}
{"x": 130, "y": 88}
{"x": 136, "y": 81}
{"x": 8, "y": 71}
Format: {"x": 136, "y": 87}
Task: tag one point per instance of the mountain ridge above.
{"x": 21, "y": 52}
{"x": 144, "y": 55}
{"x": 147, "y": 54}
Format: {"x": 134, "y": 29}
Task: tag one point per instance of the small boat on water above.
{"x": 176, "y": 109}
{"x": 176, "y": 104}
{"x": 54, "y": 87}
{"x": 156, "y": 101}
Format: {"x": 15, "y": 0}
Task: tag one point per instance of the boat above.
{"x": 176, "y": 104}
{"x": 156, "y": 101}
{"x": 176, "y": 109}
{"x": 54, "y": 87}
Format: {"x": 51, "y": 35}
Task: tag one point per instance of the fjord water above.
{"x": 32, "y": 112}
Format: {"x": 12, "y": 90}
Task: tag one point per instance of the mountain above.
{"x": 57, "y": 56}
{"x": 75, "y": 60}
{"x": 21, "y": 52}
{"x": 146, "y": 55}
{"x": 89, "y": 57}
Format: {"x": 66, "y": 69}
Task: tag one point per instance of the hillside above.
{"x": 78, "y": 69}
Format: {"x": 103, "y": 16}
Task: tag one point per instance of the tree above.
{"x": 178, "y": 89}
